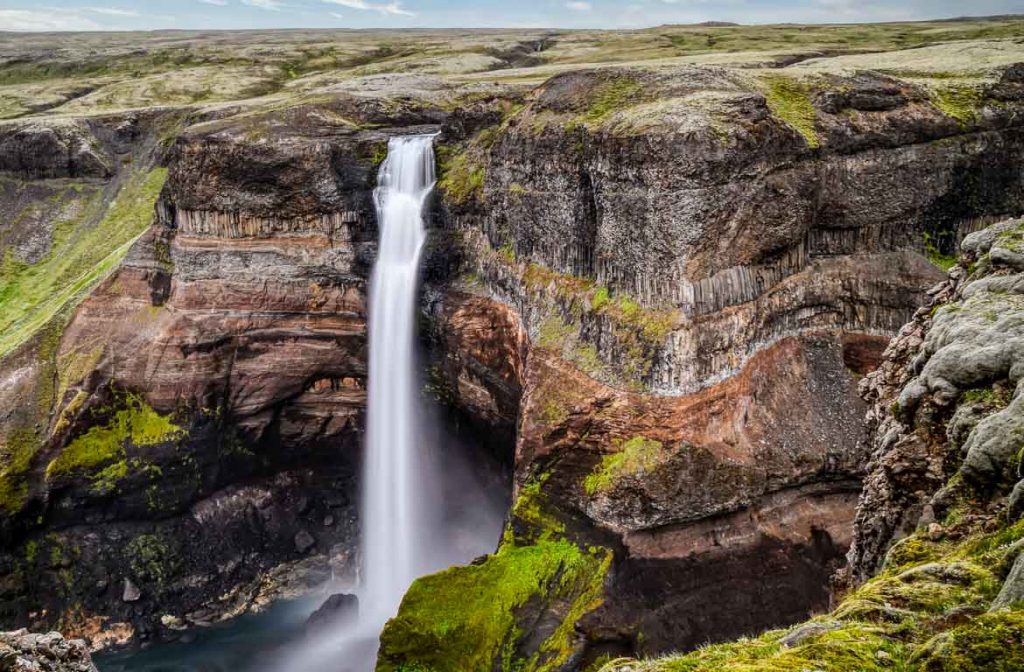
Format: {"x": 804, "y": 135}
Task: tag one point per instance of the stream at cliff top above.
{"x": 408, "y": 529}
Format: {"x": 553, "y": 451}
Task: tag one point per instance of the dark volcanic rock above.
{"x": 703, "y": 284}
{"x": 339, "y": 611}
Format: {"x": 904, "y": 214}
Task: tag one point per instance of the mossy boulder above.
{"x": 514, "y": 610}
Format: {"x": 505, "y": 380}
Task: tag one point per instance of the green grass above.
{"x": 790, "y": 100}
{"x": 31, "y": 295}
{"x": 636, "y": 457}
{"x": 943, "y": 261}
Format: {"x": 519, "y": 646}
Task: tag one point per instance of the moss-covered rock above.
{"x": 100, "y": 452}
{"x": 89, "y": 242}
{"x": 636, "y": 457}
{"x": 477, "y": 617}
{"x": 515, "y": 610}
{"x": 991, "y": 643}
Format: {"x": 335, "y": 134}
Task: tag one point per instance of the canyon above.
{"x": 660, "y": 285}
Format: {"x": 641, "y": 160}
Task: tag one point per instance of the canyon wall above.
{"x": 936, "y": 575}
{"x": 704, "y": 280}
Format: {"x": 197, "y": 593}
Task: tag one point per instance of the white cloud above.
{"x": 272, "y": 5}
{"x": 337, "y": 15}
{"x": 579, "y": 6}
{"x": 113, "y": 11}
{"x": 26, "y": 20}
{"x": 392, "y": 8}
{"x": 216, "y": 3}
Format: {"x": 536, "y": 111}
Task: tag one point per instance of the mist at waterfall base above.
{"x": 424, "y": 505}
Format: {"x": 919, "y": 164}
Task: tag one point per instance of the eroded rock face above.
{"x": 945, "y": 402}
{"x": 655, "y": 288}
{"x": 739, "y": 497}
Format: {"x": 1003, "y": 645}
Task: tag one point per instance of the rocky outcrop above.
{"x": 22, "y": 651}
{"x": 651, "y": 291}
{"x": 685, "y": 191}
{"x": 944, "y": 403}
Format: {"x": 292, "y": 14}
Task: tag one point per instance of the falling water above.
{"x": 399, "y": 513}
{"x": 409, "y": 529}
{"x": 394, "y": 487}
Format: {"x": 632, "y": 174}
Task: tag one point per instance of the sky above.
{"x": 234, "y": 14}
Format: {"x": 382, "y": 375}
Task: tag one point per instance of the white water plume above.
{"x": 403, "y": 518}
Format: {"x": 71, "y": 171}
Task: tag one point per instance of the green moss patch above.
{"x": 789, "y": 99}
{"x": 462, "y": 176}
{"x": 610, "y": 96}
{"x": 466, "y": 618}
{"x": 1012, "y": 240}
{"x": 530, "y": 508}
{"x": 935, "y": 255}
{"x": 636, "y": 457}
{"x": 855, "y": 647}
{"x": 962, "y": 101}
{"x": 639, "y": 331}
{"x": 991, "y": 643}
{"x": 100, "y": 452}
{"x": 27, "y": 431}
{"x": 151, "y": 559}
{"x": 31, "y": 295}
{"x": 17, "y": 453}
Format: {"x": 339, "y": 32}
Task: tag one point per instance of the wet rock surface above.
{"x": 338, "y": 611}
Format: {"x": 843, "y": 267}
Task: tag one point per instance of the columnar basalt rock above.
{"x": 656, "y": 288}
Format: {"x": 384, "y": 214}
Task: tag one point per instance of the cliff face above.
{"x": 944, "y": 414}
{"x": 936, "y": 567}
{"x": 192, "y": 422}
{"x": 704, "y": 279}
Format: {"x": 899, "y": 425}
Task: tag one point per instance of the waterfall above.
{"x": 395, "y": 500}
{"x": 399, "y": 513}
{"x": 422, "y": 509}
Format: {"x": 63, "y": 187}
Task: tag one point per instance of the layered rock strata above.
{"x": 936, "y": 574}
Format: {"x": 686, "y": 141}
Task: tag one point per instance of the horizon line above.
{"x": 700, "y": 24}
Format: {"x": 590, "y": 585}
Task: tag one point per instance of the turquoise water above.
{"x": 241, "y": 645}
